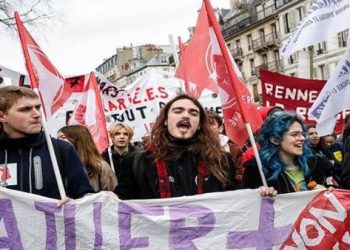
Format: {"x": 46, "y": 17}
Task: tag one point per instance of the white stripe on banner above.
{"x": 238, "y": 219}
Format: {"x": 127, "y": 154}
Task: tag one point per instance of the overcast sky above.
{"x": 91, "y": 30}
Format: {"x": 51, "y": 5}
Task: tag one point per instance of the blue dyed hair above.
{"x": 275, "y": 128}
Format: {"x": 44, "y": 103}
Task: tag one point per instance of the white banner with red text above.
{"x": 228, "y": 220}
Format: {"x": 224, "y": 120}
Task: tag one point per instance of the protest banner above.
{"x": 11, "y": 77}
{"x": 333, "y": 97}
{"x": 226, "y": 220}
{"x": 330, "y": 16}
{"x": 294, "y": 94}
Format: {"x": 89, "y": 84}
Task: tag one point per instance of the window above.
{"x": 250, "y": 42}
{"x": 276, "y": 55}
{"x": 292, "y": 59}
{"x": 321, "y": 48}
{"x": 262, "y": 34}
{"x": 240, "y": 66}
{"x": 274, "y": 30}
{"x": 278, "y": 3}
{"x": 300, "y": 11}
{"x": 286, "y": 23}
{"x": 252, "y": 67}
{"x": 264, "y": 60}
{"x": 322, "y": 69}
{"x": 238, "y": 48}
{"x": 238, "y": 44}
{"x": 342, "y": 37}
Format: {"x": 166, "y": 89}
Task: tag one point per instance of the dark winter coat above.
{"x": 141, "y": 181}
{"x": 26, "y": 166}
{"x": 117, "y": 158}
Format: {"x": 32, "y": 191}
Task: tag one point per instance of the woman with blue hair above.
{"x": 288, "y": 163}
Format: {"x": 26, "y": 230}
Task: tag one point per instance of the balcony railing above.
{"x": 236, "y": 27}
{"x": 271, "y": 66}
{"x": 269, "y": 40}
{"x": 266, "y": 12}
{"x": 237, "y": 53}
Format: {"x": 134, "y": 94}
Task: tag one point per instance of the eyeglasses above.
{"x": 297, "y": 134}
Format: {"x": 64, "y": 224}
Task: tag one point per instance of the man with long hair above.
{"x": 184, "y": 157}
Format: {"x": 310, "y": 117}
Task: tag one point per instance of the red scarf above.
{"x": 163, "y": 179}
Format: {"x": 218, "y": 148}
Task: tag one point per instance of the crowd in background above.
{"x": 187, "y": 153}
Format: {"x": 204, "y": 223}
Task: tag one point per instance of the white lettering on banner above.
{"x": 321, "y": 214}
{"x": 282, "y": 92}
{"x": 319, "y": 223}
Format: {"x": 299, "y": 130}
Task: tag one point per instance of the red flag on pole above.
{"x": 54, "y": 90}
{"x": 90, "y": 113}
{"x": 238, "y": 106}
{"x": 196, "y": 66}
{"x": 182, "y": 46}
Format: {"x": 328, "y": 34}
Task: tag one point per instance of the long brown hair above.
{"x": 206, "y": 145}
{"x": 82, "y": 140}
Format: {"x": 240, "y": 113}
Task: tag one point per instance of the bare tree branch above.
{"x": 32, "y": 12}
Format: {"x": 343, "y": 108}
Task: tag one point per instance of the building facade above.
{"x": 254, "y": 31}
{"x": 129, "y": 63}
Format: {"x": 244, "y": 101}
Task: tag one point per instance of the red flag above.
{"x": 237, "y": 104}
{"x": 89, "y": 112}
{"x": 196, "y": 66}
{"x": 54, "y": 90}
{"x": 182, "y": 46}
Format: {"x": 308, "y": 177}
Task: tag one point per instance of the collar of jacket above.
{"x": 28, "y": 141}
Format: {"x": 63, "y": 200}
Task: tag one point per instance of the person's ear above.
{"x": 275, "y": 141}
{"x": 2, "y": 117}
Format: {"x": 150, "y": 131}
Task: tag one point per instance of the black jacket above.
{"x": 117, "y": 158}
{"x": 320, "y": 169}
{"x": 141, "y": 181}
{"x": 27, "y": 161}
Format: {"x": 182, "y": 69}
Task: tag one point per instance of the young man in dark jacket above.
{"x": 184, "y": 157}
{"x": 25, "y": 164}
{"x": 121, "y": 135}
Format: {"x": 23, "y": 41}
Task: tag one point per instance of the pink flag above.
{"x": 237, "y": 104}
{"x": 89, "y": 112}
{"x": 54, "y": 90}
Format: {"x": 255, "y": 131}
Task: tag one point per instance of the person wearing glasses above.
{"x": 288, "y": 162}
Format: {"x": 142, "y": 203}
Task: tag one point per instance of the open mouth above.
{"x": 183, "y": 125}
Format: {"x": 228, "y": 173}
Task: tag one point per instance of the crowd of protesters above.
{"x": 187, "y": 153}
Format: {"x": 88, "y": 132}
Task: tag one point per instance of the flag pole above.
{"x": 34, "y": 85}
{"x": 173, "y": 48}
{"x": 181, "y": 46}
{"x": 233, "y": 78}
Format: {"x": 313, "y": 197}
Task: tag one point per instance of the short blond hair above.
{"x": 120, "y": 126}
